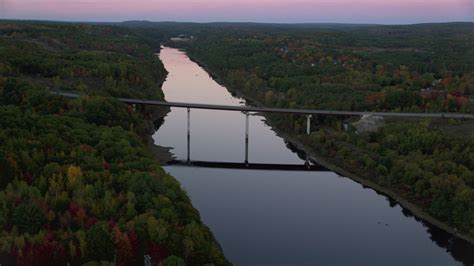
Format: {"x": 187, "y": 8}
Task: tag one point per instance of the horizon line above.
{"x": 235, "y": 22}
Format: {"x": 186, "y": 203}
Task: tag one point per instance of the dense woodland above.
{"x": 97, "y": 60}
{"x": 399, "y": 68}
{"x": 77, "y": 184}
{"x": 417, "y": 68}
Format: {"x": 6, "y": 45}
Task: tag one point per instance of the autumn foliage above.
{"x": 77, "y": 184}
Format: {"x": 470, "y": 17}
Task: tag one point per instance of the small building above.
{"x": 182, "y": 38}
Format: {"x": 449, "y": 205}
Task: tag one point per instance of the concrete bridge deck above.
{"x": 279, "y": 110}
{"x": 247, "y": 109}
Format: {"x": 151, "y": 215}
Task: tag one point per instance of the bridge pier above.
{"x": 308, "y": 124}
{"x": 189, "y": 134}
{"x": 246, "y": 138}
{"x": 308, "y": 131}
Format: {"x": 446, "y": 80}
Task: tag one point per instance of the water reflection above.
{"x": 291, "y": 218}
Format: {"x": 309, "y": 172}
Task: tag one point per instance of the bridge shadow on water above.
{"x": 460, "y": 249}
{"x": 306, "y": 164}
{"x": 251, "y": 166}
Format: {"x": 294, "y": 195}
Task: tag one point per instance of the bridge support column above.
{"x": 308, "y": 131}
{"x": 246, "y": 138}
{"x": 308, "y": 124}
{"x": 307, "y": 162}
{"x": 189, "y": 134}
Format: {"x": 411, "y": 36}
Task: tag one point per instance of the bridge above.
{"x": 280, "y": 110}
{"x": 251, "y": 109}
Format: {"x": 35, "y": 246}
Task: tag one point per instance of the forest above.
{"x": 78, "y": 185}
{"x": 415, "y": 68}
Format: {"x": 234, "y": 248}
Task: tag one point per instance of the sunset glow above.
{"x": 349, "y": 11}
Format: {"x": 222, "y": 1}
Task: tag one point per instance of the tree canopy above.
{"x": 77, "y": 183}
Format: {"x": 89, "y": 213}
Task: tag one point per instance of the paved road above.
{"x": 280, "y": 110}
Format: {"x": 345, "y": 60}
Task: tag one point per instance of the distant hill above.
{"x": 146, "y": 23}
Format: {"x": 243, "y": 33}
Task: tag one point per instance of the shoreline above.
{"x": 152, "y": 114}
{"x": 162, "y": 154}
{"x": 417, "y": 211}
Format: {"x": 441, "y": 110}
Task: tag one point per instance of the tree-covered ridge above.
{"x": 406, "y": 68}
{"x": 387, "y": 68}
{"x": 77, "y": 183}
{"x": 103, "y": 60}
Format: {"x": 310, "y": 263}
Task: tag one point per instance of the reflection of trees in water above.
{"x": 158, "y": 123}
{"x": 301, "y": 154}
{"x": 460, "y": 249}
{"x": 158, "y": 116}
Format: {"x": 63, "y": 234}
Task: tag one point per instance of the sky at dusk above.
{"x": 284, "y": 11}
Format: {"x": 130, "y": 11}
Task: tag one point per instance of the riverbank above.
{"x": 413, "y": 208}
{"x": 154, "y": 117}
{"x": 314, "y": 156}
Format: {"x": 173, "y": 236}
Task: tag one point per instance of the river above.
{"x": 263, "y": 217}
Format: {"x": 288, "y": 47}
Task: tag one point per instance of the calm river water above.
{"x": 265, "y": 217}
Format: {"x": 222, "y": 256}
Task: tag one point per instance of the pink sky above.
{"x": 346, "y": 11}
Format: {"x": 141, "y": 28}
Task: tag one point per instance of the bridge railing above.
{"x": 280, "y": 110}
